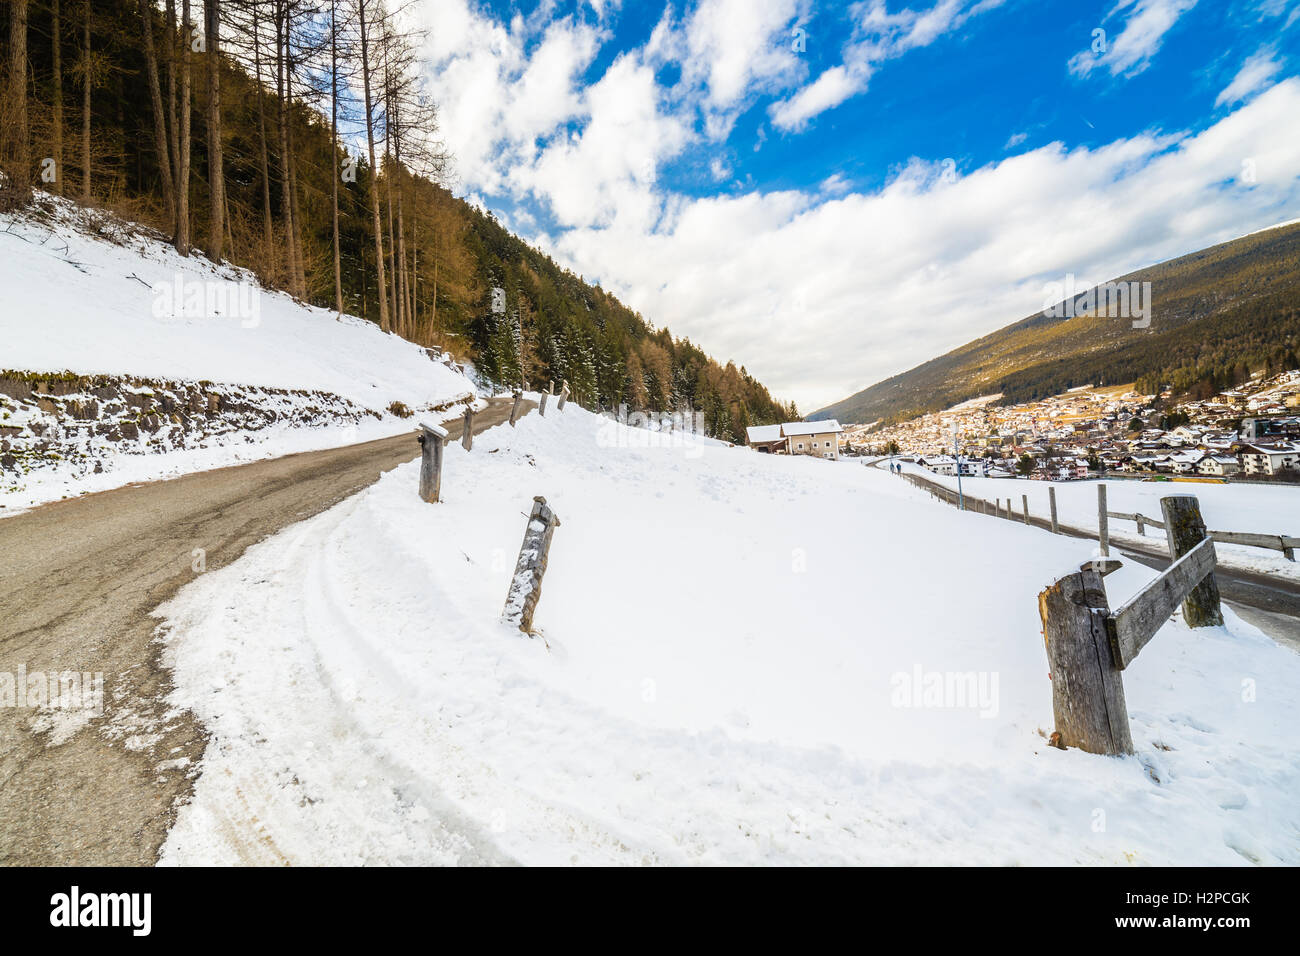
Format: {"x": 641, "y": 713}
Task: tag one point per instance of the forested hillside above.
{"x": 1217, "y": 315}
{"x": 295, "y": 139}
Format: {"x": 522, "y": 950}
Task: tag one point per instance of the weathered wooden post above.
{"x": 467, "y": 439}
{"x": 1142, "y": 528}
{"x": 432, "y": 438}
{"x": 1103, "y": 522}
{"x": 1185, "y": 529}
{"x": 526, "y": 585}
{"x": 519, "y": 399}
{"x": 545, "y": 395}
{"x": 1025, "y": 502}
{"x": 1087, "y": 690}
{"x": 564, "y": 395}
{"x": 1051, "y": 502}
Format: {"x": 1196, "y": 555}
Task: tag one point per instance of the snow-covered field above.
{"x": 1259, "y": 508}
{"x": 731, "y": 646}
{"x": 84, "y": 293}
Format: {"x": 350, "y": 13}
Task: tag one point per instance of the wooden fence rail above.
{"x": 1285, "y": 544}
{"x": 1272, "y": 542}
{"x": 1088, "y": 645}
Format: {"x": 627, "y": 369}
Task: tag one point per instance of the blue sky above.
{"x": 829, "y": 194}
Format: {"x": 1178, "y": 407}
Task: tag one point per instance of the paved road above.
{"x": 1269, "y": 602}
{"x": 78, "y": 580}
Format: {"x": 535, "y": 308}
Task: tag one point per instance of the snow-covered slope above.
{"x": 83, "y": 293}
{"x": 71, "y": 299}
{"x": 735, "y": 649}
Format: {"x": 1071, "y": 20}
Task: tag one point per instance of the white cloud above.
{"x": 611, "y": 165}
{"x": 739, "y": 46}
{"x": 821, "y": 296}
{"x": 830, "y": 89}
{"x": 878, "y": 35}
{"x": 820, "y": 292}
{"x": 1255, "y": 74}
{"x": 1144, "y": 31}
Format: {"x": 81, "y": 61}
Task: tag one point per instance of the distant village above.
{"x": 1251, "y": 431}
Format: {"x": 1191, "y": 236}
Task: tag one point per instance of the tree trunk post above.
{"x": 1185, "y": 529}
{"x": 1025, "y": 502}
{"x": 514, "y": 412}
{"x": 526, "y": 584}
{"x": 1051, "y": 502}
{"x": 432, "y": 438}
{"x": 564, "y": 395}
{"x": 467, "y": 439}
{"x": 1088, "y": 705}
{"x": 1103, "y": 522}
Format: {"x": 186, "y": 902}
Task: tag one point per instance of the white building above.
{"x": 1269, "y": 459}
{"x": 821, "y": 439}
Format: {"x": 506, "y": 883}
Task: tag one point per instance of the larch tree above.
{"x": 216, "y": 178}
{"x": 19, "y": 171}
{"x": 161, "y": 138}
{"x": 56, "y": 80}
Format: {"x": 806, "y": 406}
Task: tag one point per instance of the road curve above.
{"x": 78, "y": 580}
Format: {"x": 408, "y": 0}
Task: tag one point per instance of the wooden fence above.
{"x": 1273, "y": 542}
{"x": 1089, "y": 645}
{"x": 1285, "y": 544}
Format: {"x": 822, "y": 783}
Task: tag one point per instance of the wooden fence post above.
{"x": 432, "y": 438}
{"x": 545, "y": 395}
{"x": 514, "y": 412}
{"x": 467, "y": 439}
{"x": 1025, "y": 502}
{"x": 1103, "y": 522}
{"x": 1051, "y": 501}
{"x": 1185, "y": 529}
{"x": 564, "y": 395}
{"x": 526, "y": 585}
{"x": 1142, "y": 528}
{"x": 1087, "y": 690}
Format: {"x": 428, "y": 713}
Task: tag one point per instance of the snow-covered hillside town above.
{"x": 1249, "y": 432}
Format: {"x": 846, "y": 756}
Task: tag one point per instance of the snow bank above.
{"x": 86, "y": 294}
{"x": 83, "y": 293}
{"x": 730, "y": 647}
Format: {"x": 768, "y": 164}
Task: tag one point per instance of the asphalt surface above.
{"x": 78, "y": 582}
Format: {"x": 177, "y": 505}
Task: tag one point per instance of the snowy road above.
{"x": 80, "y": 578}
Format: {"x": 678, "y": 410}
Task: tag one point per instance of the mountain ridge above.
{"x": 1218, "y": 313}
